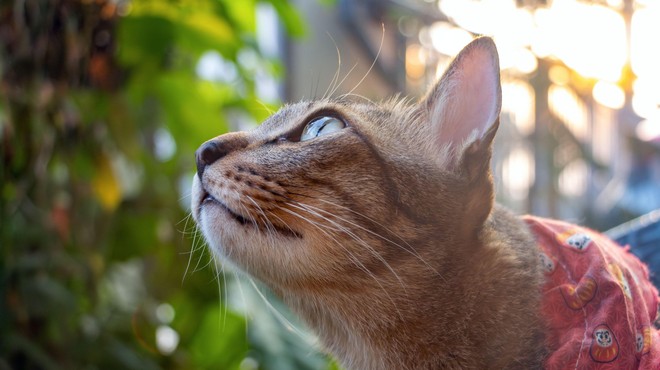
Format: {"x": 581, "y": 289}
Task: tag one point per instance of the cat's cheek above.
{"x": 197, "y": 194}
{"x": 209, "y": 226}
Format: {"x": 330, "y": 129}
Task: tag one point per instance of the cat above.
{"x": 376, "y": 224}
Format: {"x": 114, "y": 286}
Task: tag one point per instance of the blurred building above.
{"x": 580, "y": 132}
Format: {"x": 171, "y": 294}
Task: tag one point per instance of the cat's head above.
{"x": 337, "y": 192}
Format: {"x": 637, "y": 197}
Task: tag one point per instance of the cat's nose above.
{"x": 208, "y": 153}
{"x": 217, "y": 148}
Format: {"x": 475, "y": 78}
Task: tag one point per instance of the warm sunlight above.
{"x": 598, "y": 70}
{"x": 293, "y": 184}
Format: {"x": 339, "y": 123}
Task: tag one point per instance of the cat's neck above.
{"x": 394, "y": 322}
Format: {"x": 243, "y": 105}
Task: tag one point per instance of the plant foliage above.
{"x": 101, "y": 110}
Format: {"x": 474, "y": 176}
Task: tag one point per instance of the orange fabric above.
{"x": 597, "y": 301}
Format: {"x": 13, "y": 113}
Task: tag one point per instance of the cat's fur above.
{"x": 384, "y": 236}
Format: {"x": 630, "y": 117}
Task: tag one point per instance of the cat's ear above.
{"x": 464, "y": 106}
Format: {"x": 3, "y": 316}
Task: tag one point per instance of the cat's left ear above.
{"x": 464, "y": 106}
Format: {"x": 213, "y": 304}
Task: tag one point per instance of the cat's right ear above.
{"x": 463, "y": 107}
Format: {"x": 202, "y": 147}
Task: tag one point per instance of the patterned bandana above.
{"x": 598, "y": 303}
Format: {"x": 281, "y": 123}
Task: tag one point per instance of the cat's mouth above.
{"x": 208, "y": 199}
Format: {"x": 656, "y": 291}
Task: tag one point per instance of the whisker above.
{"x": 280, "y": 317}
{"x": 355, "y": 237}
{"x": 266, "y": 107}
{"x": 245, "y": 303}
{"x": 357, "y": 96}
{"x": 218, "y": 269}
{"x": 325, "y": 232}
{"x": 410, "y": 249}
{"x": 343, "y": 79}
{"x": 270, "y": 228}
{"x": 197, "y": 243}
{"x": 351, "y": 256}
{"x": 335, "y": 78}
{"x": 380, "y": 48}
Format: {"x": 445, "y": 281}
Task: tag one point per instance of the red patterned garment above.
{"x": 597, "y": 300}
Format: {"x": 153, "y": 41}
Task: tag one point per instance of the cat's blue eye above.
{"x": 321, "y": 126}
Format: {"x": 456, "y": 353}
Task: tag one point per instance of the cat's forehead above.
{"x": 355, "y": 113}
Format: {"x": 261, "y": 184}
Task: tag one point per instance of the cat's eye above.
{"x": 321, "y": 126}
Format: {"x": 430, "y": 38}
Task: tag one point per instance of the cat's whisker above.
{"x": 224, "y": 288}
{"x": 245, "y": 212}
{"x": 266, "y": 107}
{"x": 348, "y": 95}
{"x": 343, "y": 79}
{"x": 185, "y": 220}
{"x": 218, "y": 269}
{"x": 355, "y": 237}
{"x": 409, "y": 248}
{"x": 264, "y": 220}
{"x": 335, "y": 78}
{"x": 351, "y": 256}
{"x": 245, "y": 303}
{"x": 199, "y": 261}
{"x": 270, "y": 228}
{"x": 188, "y": 194}
{"x": 280, "y": 317}
{"x": 197, "y": 243}
{"x": 282, "y": 222}
{"x": 324, "y": 229}
{"x": 380, "y": 48}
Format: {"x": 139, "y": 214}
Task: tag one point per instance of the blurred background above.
{"x": 103, "y": 103}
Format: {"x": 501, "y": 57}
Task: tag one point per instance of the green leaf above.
{"x": 200, "y": 31}
{"x": 134, "y": 234}
{"x": 220, "y": 342}
{"x": 145, "y": 39}
{"x": 291, "y": 18}
{"x": 46, "y": 295}
{"x": 242, "y": 14}
{"x": 193, "y": 108}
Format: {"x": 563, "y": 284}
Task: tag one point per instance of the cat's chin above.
{"x": 238, "y": 240}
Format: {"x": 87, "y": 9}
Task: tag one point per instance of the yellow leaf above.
{"x": 106, "y": 185}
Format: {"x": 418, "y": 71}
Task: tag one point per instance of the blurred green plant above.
{"x": 101, "y": 110}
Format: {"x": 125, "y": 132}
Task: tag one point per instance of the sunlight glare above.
{"x": 609, "y": 95}
{"x": 518, "y": 103}
{"x": 518, "y": 172}
{"x": 415, "y": 66}
{"x": 649, "y": 129}
{"x": 595, "y": 49}
{"x": 167, "y": 339}
{"x": 447, "y": 39}
{"x": 517, "y": 58}
{"x": 573, "y": 178}
{"x": 165, "y": 313}
{"x": 559, "y": 75}
{"x": 644, "y": 31}
{"x": 565, "y": 104}
{"x": 646, "y": 96}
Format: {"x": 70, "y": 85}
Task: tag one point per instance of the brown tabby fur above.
{"x": 388, "y": 245}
